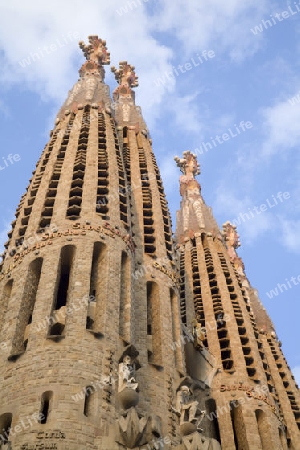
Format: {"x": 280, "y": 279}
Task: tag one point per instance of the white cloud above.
{"x": 281, "y": 125}
{"x": 290, "y": 234}
{"x": 198, "y": 27}
{"x": 44, "y": 24}
{"x": 222, "y": 26}
{"x": 240, "y": 211}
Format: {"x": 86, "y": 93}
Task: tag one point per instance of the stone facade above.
{"x": 112, "y": 338}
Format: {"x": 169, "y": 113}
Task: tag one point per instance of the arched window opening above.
{"x": 46, "y": 404}
{"x": 88, "y": 401}
{"x": 212, "y": 425}
{"x": 58, "y": 316}
{"x": 125, "y": 298}
{"x": 5, "y": 300}
{"x": 24, "y": 318}
{"x": 175, "y": 326}
{"x": 263, "y": 429}
{"x": 238, "y": 425}
{"x": 153, "y": 324}
{"x": 97, "y": 286}
{"x": 5, "y": 425}
{"x": 282, "y": 437}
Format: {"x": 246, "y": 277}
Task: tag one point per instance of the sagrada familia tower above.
{"x": 114, "y": 335}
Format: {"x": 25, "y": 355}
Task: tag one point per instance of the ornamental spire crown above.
{"x": 188, "y": 164}
{"x": 96, "y": 54}
{"x": 125, "y": 75}
{"x": 127, "y": 79}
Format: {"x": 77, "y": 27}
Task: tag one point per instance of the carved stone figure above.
{"x": 190, "y": 189}
{"x": 186, "y": 405}
{"x": 198, "y": 334}
{"x": 126, "y": 375}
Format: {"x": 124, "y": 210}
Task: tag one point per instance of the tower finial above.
{"x": 96, "y": 51}
{"x": 125, "y": 75}
{"x": 97, "y": 56}
{"x": 188, "y": 165}
{"x": 231, "y": 235}
{"x": 233, "y": 242}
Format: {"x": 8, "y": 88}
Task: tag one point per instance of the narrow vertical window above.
{"x": 58, "y": 316}
{"x": 97, "y": 286}
{"x": 263, "y": 429}
{"x": 46, "y": 404}
{"x": 5, "y": 300}
{"x": 5, "y": 425}
{"x": 153, "y": 324}
{"x": 20, "y": 340}
{"x": 125, "y": 298}
{"x": 282, "y": 437}
{"x": 88, "y": 401}
{"x": 238, "y": 425}
{"x": 175, "y": 327}
{"x": 213, "y": 425}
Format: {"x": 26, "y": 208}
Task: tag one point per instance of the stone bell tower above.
{"x": 88, "y": 287}
{"x": 255, "y": 406}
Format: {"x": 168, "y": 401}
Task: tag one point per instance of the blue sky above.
{"x": 254, "y": 76}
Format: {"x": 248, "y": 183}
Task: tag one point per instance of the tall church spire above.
{"x": 89, "y": 281}
{"x": 90, "y": 88}
{"x": 194, "y": 215}
{"x": 218, "y": 304}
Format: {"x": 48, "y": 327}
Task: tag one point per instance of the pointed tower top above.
{"x": 96, "y": 54}
{"x": 188, "y": 165}
{"x": 126, "y": 111}
{"x": 90, "y": 88}
{"x": 231, "y": 236}
{"x": 194, "y": 215}
{"x": 127, "y": 80}
{"x": 233, "y": 242}
{"x": 125, "y": 75}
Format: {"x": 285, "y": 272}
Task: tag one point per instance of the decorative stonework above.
{"x": 96, "y": 54}
{"x": 188, "y": 165}
{"x": 76, "y": 230}
{"x": 123, "y": 95}
{"x": 126, "y": 375}
{"x": 187, "y": 408}
{"x": 126, "y": 77}
{"x": 192, "y": 203}
{"x": 232, "y": 240}
{"x": 137, "y": 429}
{"x": 199, "y": 334}
{"x": 196, "y": 441}
{"x": 171, "y": 274}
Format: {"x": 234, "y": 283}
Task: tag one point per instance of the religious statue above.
{"x": 190, "y": 189}
{"x": 199, "y": 334}
{"x": 186, "y": 405}
{"x": 126, "y": 375}
{"x": 233, "y": 242}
